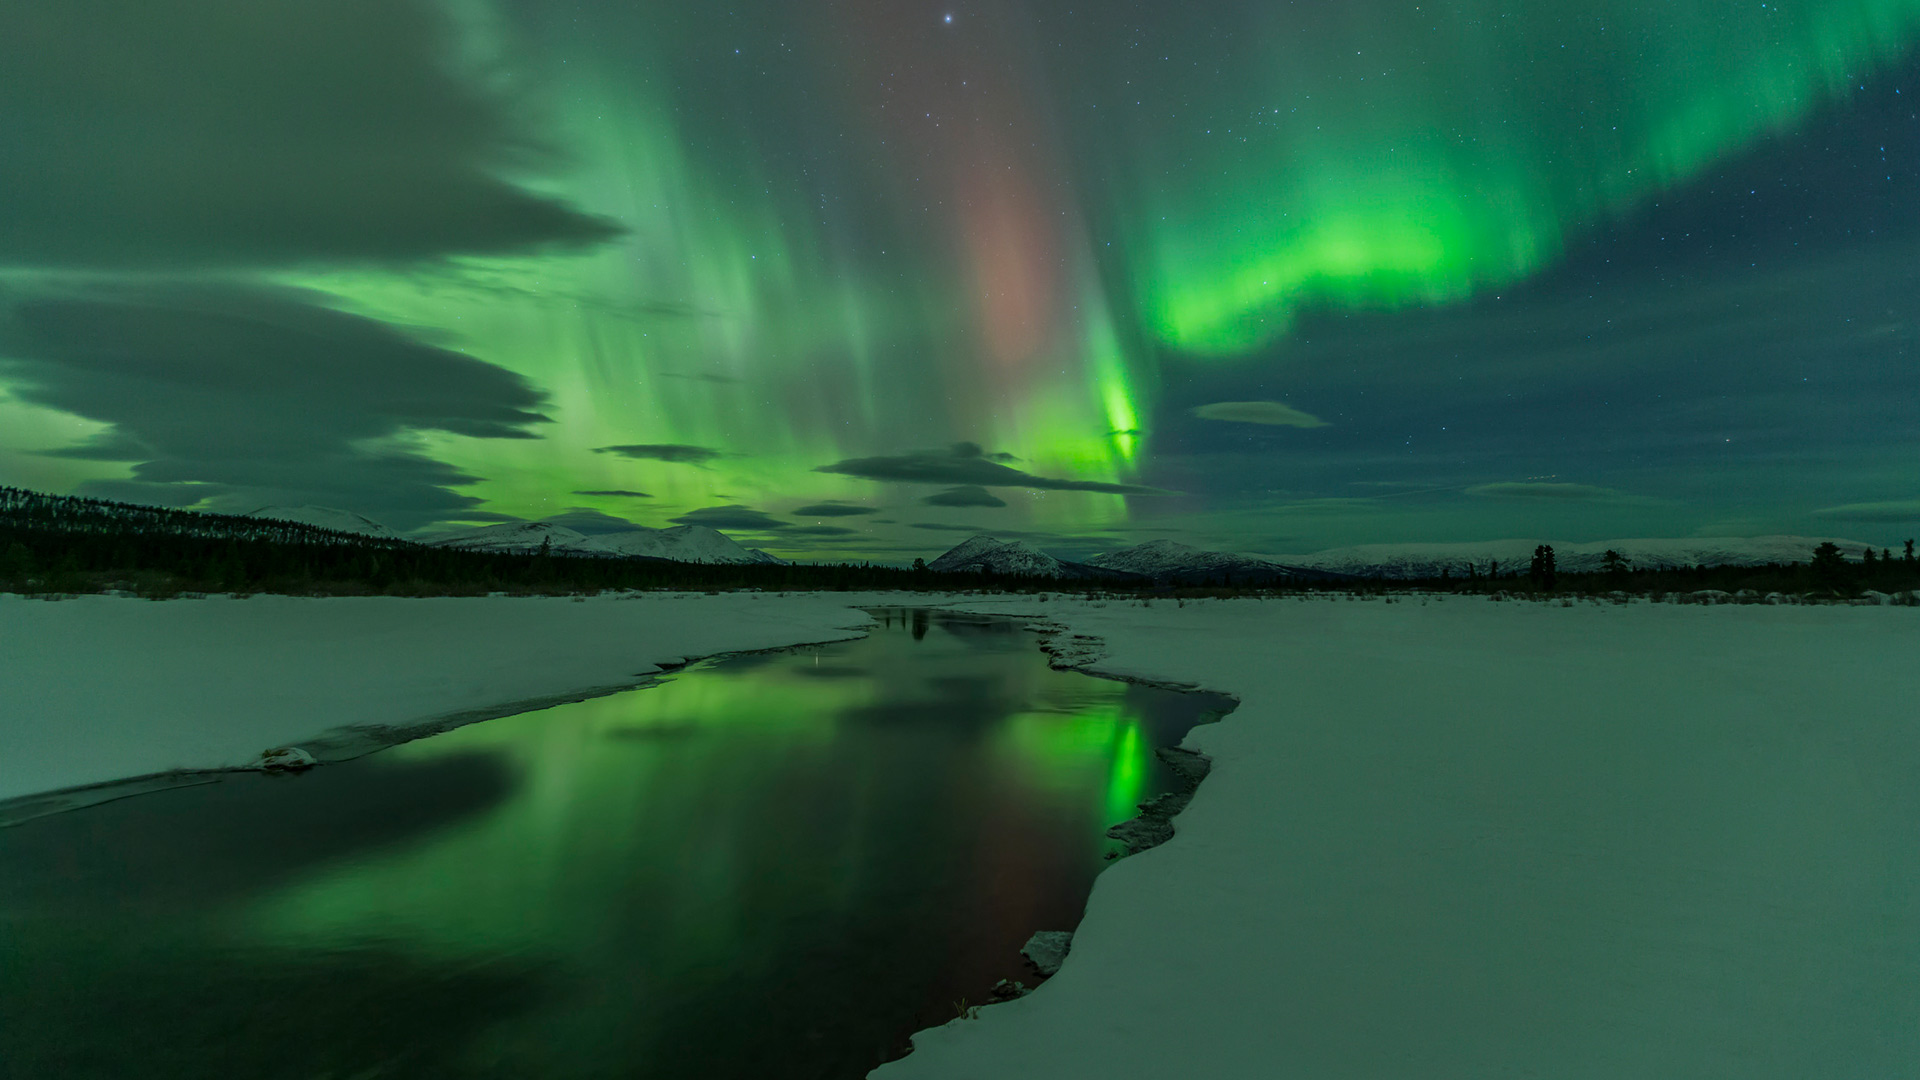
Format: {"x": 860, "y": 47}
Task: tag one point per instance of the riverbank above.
{"x": 104, "y": 689}
{"x": 1440, "y": 838}
{"x": 1468, "y": 839}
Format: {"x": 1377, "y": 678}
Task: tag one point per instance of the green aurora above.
{"x": 849, "y": 229}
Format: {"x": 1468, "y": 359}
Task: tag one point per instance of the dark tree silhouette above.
{"x": 1613, "y": 563}
{"x": 1542, "y": 570}
{"x": 1829, "y": 565}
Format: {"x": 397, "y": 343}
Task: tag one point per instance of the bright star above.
{"x": 946, "y": 18}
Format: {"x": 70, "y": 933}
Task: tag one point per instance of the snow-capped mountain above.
{"x": 1429, "y": 560}
{"x": 326, "y": 517}
{"x": 520, "y": 537}
{"x": 983, "y": 554}
{"x": 1165, "y": 560}
{"x": 682, "y": 543}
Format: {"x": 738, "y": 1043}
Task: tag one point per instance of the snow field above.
{"x": 102, "y": 688}
{"x": 1470, "y": 840}
{"x": 1451, "y": 839}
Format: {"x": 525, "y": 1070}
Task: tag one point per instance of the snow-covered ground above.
{"x": 103, "y": 688}
{"x": 1444, "y": 840}
{"x": 1475, "y": 839}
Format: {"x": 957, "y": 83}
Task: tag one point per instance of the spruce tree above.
{"x": 1541, "y": 572}
{"x": 1828, "y": 564}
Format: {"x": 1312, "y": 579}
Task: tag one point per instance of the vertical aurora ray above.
{"x": 779, "y": 295}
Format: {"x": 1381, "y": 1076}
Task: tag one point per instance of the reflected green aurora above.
{"x": 772, "y": 865}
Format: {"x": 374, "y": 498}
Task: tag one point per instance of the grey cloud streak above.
{"x": 255, "y": 395}
{"x": 965, "y": 464}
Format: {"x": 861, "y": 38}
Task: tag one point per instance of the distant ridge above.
{"x": 1168, "y": 561}
{"x": 984, "y": 554}
{"x": 682, "y": 543}
{"x": 326, "y": 517}
{"x": 517, "y": 538}
{"x": 35, "y": 510}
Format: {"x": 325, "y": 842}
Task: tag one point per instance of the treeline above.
{"x": 57, "y": 544}
{"x": 1827, "y": 574}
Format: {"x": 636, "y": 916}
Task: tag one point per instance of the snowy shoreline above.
{"x": 1455, "y": 838}
{"x": 1440, "y": 837}
{"x": 110, "y": 691}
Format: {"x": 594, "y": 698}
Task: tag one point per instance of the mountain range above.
{"x": 1168, "y": 561}
{"x": 682, "y": 543}
{"x": 983, "y": 554}
{"x": 326, "y": 517}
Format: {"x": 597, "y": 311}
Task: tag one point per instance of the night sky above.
{"x": 857, "y": 278}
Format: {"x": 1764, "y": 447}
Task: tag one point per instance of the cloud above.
{"x": 817, "y": 530}
{"x": 1329, "y": 505}
{"x": 734, "y": 517}
{"x": 965, "y": 464}
{"x": 700, "y": 376}
{"x": 1891, "y": 511}
{"x": 489, "y": 516}
{"x": 831, "y": 508}
{"x": 678, "y": 453}
{"x": 236, "y": 133}
{"x": 251, "y": 396}
{"x": 969, "y": 495}
{"x": 617, "y": 493}
{"x": 1528, "y": 489}
{"x": 591, "y": 522}
{"x": 973, "y": 449}
{"x": 1271, "y": 413}
{"x": 988, "y": 529}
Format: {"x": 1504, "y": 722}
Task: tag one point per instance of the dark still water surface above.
{"x": 771, "y": 866}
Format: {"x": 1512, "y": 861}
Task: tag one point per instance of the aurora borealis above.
{"x": 855, "y": 278}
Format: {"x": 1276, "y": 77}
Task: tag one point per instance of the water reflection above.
{"x": 773, "y": 866}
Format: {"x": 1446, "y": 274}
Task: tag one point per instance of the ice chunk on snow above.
{"x": 284, "y": 759}
{"x": 1047, "y": 950}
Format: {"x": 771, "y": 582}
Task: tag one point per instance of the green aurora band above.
{"x": 1379, "y": 158}
{"x": 1415, "y": 155}
{"x": 818, "y": 264}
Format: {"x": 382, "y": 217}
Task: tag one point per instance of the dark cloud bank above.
{"x": 150, "y": 143}
{"x": 970, "y": 495}
{"x": 747, "y": 519}
{"x": 163, "y": 134}
{"x": 678, "y": 453}
{"x": 966, "y": 465}
{"x": 251, "y": 395}
{"x": 833, "y": 509}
